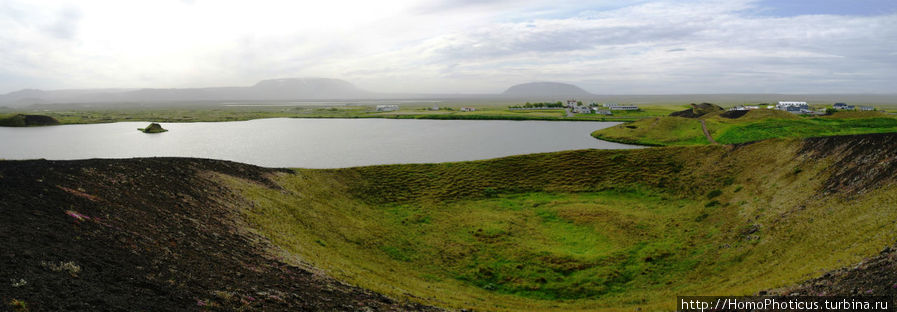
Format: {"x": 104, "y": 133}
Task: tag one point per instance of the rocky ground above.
{"x": 147, "y": 235}
{"x": 874, "y": 276}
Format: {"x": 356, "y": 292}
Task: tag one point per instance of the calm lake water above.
{"x": 307, "y": 143}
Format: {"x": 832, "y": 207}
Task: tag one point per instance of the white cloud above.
{"x": 445, "y": 46}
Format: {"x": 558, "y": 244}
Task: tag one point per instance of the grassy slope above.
{"x": 808, "y": 127}
{"x": 656, "y": 131}
{"x": 756, "y": 125}
{"x": 12, "y": 120}
{"x": 576, "y": 230}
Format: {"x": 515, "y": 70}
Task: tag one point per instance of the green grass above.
{"x": 755, "y": 126}
{"x": 486, "y": 111}
{"x": 809, "y": 127}
{"x": 535, "y": 245}
{"x": 12, "y": 120}
{"x": 656, "y": 131}
{"x": 578, "y": 230}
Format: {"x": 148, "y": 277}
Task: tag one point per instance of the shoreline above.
{"x": 396, "y": 116}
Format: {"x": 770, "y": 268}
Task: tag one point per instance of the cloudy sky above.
{"x": 461, "y": 46}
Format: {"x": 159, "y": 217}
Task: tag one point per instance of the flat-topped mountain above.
{"x": 269, "y": 90}
{"x": 545, "y": 89}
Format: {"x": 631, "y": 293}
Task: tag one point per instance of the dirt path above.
{"x": 707, "y": 133}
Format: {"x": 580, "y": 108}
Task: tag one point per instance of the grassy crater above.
{"x": 579, "y": 230}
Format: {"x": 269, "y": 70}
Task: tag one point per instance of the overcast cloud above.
{"x": 610, "y": 47}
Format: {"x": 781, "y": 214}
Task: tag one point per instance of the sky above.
{"x": 462, "y": 46}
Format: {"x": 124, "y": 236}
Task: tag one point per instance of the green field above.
{"x": 11, "y": 120}
{"x": 198, "y": 113}
{"x": 755, "y": 126}
{"x": 579, "y": 230}
{"x": 810, "y": 127}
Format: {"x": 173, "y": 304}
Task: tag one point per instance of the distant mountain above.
{"x": 308, "y": 88}
{"x": 546, "y": 90}
{"x": 34, "y": 96}
{"x": 314, "y": 89}
{"x": 274, "y": 89}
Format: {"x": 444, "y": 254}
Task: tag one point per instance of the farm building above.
{"x": 793, "y": 107}
{"x": 387, "y": 108}
{"x": 785, "y": 104}
{"x": 843, "y": 106}
{"x": 582, "y": 110}
{"x": 744, "y": 107}
{"x": 468, "y": 109}
{"x": 602, "y": 111}
{"x": 622, "y": 107}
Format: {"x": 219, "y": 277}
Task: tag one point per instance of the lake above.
{"x": 307, "y": 143}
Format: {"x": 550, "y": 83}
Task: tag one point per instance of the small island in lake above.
{"x": 153, "y": 128}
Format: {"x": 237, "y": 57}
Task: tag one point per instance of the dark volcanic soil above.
{"x": 874, "y": 276}
{"x": 20, "y": 120}
{"x": 869, "y": 161}
{"x": 40, "y": 120}
{"x": 697, "y": 110}
{"x": 147, "y": 235}
{"x": 734, "y": 114}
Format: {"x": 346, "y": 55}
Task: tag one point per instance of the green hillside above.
{"x": 756, "y": 125}
{"x": 20, "y": 120}
{"x": 589, "y": 229}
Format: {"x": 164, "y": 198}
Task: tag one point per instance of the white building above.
{"x": 622, "y": 107}
{"x": 387, "y": 108}
{"x": 842, "y": 106}
{"x": 793, "y": 107}
{"x": 468, "y": 109}
{"x": 744, "y": 107}
{"x": 582, "y": 110}
{"x": 784, "y": 104}
{"x": 602, "y": 111}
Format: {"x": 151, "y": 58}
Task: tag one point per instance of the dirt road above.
{"x": 707, "y": 133}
